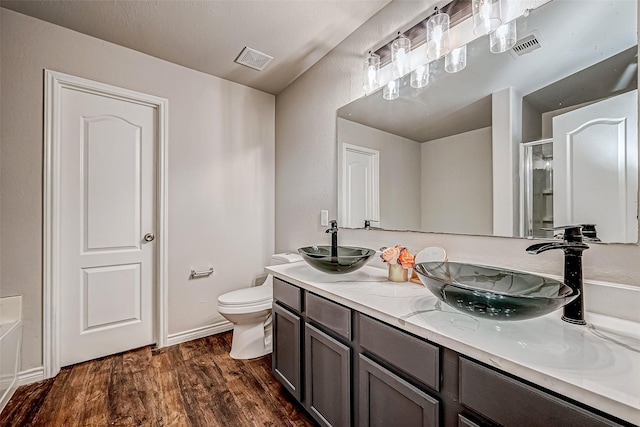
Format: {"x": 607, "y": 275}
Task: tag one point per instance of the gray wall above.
{"x": 221, "y": 169}
{"x": 306, "y": 167}
{"x": 458, "y": 199}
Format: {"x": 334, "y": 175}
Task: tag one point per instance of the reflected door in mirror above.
{"x": 596, "y": 167}
{"x": 360, "y": 191}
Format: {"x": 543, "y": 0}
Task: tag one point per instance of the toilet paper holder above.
{"x": 203, "y": 273}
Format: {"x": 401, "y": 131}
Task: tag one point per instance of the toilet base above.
{"x": 251, "y": 341}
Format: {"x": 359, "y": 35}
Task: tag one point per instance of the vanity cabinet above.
{"x": 312, "y": 352}
{"x": 347, "y": 368}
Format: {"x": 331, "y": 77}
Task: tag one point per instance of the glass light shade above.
{"x": 420, "y": 76}
{"x": 487, "y": 16}
{"x": 391, "y": 90}
{"x": 504, "y": 38}
{"x": 371, "y": 73}
{"x": 401, "y": 56}
{"x": 437, "y": 35}
{"x": 456, "y": 60}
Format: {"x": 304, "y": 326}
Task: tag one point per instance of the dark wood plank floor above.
{"x": 191, "y": 384}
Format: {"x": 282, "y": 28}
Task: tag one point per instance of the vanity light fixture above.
{"x": 503, "y": 38}
{"x": 420, "y": 76}
{"x": 487, "y": 16}
{"x": 437, "y": 35}
{"x": 401, "y": 55}
{"x": 391, "y": 90}
{"x": 456, "y": 60}
{"x": 371, "y": 73}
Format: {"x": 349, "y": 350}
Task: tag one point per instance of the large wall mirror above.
{"x": 513, "y": 144}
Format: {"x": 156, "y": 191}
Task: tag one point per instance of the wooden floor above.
{"x": 190, "y": 384}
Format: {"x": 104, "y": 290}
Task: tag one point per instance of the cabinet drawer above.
{"x": 328, "y": 313}
{"x": 287, "y": 294}
{"x": 417, "y": 358}
{"x": 509, "y": 402}
{"x": 388, "y": 400}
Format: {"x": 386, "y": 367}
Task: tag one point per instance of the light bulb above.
{"x": 485, "y": 12}
{"x": 503, "y": 38}
{"x": 401, "y": 55}
{"x": 437, "y": 35}
{"x": 391, "y": 90}
{"x": 456, "y": 60}
{"x": 420, "y": 76}
{"x": 487, "y": 16}
{"x": 370, "y": 72}
{"x": 371, "y": 75}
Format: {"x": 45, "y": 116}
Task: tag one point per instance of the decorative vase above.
{"x": 397, "y": 273}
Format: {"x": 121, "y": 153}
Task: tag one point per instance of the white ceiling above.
{"x": 208, "y": 35}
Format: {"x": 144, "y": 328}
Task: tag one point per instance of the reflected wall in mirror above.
{"x": 453, "y": 157}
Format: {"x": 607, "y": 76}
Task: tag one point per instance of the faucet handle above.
{"x": 572, "y": 233}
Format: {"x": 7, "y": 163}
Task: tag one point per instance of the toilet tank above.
{"x": 285, "y": 258}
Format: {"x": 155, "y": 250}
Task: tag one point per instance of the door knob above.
{"x": 149, "y": 237}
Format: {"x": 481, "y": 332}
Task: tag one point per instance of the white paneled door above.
{"x": 107, "y": 199}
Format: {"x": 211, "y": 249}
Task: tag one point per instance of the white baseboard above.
{"x": 201, "y": 332}
{"x": 9, "y": 386}
{"x": 31, "y": 376}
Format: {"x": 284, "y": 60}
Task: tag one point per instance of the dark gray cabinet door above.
{"x": 386, "y": 400}
{"x": 509, "y": 402}
{"x": 286, "y": 350}
{"x": 327, "y": 377}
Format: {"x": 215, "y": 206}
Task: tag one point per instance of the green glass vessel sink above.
{"x": 493, "y": 292}
{"x": 348, "y": 258}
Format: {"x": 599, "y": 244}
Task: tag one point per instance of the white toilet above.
{"x": 249, "y": 310}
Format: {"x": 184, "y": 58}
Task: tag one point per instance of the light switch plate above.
{"x": 324, "y": 217}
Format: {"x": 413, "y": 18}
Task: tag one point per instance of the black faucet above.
{"x": 572, "y": 245}
{"x": 334, "y": 238}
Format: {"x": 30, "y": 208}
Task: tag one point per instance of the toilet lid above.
{"x": 257, "y": 294}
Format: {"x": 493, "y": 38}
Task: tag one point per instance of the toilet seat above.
{"x": 246, "y": 300}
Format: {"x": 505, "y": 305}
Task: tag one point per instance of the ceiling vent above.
{"x": 253, "y": 59}
{"x": 527, "y": 45}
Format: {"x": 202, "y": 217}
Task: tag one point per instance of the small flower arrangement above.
{"x": 398, "y": 255}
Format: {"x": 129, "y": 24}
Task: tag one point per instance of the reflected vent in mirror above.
{"x": 526, "y": 45}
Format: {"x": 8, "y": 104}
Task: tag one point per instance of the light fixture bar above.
{"x": 458, "y": 11}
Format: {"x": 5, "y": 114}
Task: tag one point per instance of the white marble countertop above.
{"x": 593, "y": 364}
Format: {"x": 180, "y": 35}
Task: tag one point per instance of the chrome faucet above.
{"x": 572, "y": 245}
{"x": 334, "y": 238}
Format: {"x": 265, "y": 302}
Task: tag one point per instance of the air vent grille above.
{"x": 527, "y": 44}
{"x": 253, "y": 59}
